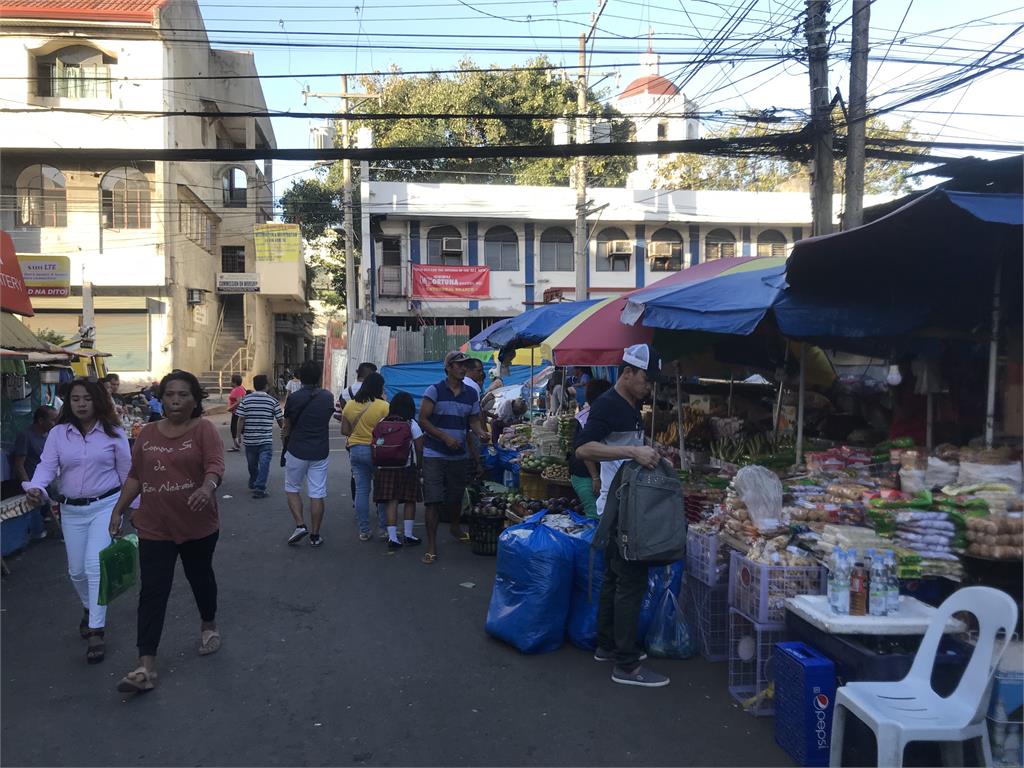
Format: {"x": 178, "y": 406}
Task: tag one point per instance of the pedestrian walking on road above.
{"x": 306, "y": 434}
{"x": 347, "y": 394}
{"x": 88, "y": 450}
{"x": 394, "y": 485}
{"x": 256, "y": 416}
{"x": 448, "y": 411}
{"x": 360, "y": 416}
{"x": 612, "y": 436}
{"x": 234, "y": 398}
{"x": 177, "y": 466}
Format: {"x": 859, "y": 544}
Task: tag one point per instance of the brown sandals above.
{"x": 97, "y": 650}
{"x": 209, "y": 642}
{"x": 137, "y": 681}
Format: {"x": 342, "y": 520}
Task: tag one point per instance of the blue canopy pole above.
{"x": 993, "y": 350}
{"x": 800, "y": 405}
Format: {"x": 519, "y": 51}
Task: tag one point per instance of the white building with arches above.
{"x": 151, "y": 237}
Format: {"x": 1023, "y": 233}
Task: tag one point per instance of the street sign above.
{"x": 238, "y": 282}
{"x": 47, "y": 275}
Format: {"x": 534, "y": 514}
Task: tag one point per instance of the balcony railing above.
{"x": 392, "y": 282}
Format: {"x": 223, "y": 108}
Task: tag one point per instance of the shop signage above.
{"x": 238, "y": 282}
{"x": 450, "y": 283}
{"x": 13, "y": 294}
{"x": 277, "y": 242}
{"x": 47, "y": 275}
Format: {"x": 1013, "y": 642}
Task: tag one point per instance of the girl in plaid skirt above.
{"x": 392, "y": 485}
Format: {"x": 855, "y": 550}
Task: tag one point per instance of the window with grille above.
{"x": 614, "y": 250}
{"x": 126, "y": 199}
{"x": 232, "y": 258}
{"x": 42, "y": 197}
{"x": 771, "y": 242}
{"x": 501, "y": 250}
{"x": 195, "y": 221}
{"x": 391, "y": 252}
{"x": 719, "y": 244}
{"x": 556, "y": 251}
{"x": 75, "y": 72}
{"x": 666, "y": 251}
{"x": 444, "y": 246}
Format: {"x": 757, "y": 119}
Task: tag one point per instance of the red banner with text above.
{"x": 437, "y": 283}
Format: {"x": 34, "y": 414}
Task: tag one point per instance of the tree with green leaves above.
{"x": 777, "y": 173}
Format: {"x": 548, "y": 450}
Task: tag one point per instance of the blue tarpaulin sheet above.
{"x": 414, "y": 378}
{"x": 531, "y": 327}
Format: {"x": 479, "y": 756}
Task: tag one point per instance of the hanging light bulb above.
{"x": 894, "y": 378}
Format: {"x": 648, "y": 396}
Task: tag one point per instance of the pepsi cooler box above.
{"x": 805, "y": 692}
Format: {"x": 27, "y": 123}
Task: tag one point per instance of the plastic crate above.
{"x": 751, "y": 647}
{"x": 705, "y": 561}
{"x": 532, "y": 485}
{"x": 805, "y": 692}
{"x": 707, "y": 608}
{"x": 760, "y": 591}
{"x": 484, "y": 532}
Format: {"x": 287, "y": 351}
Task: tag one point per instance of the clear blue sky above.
{"x": 930, "y": 31}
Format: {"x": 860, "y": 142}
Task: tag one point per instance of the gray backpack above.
{"x": 645, "y": 511}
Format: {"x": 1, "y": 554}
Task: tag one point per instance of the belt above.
{"x": 83, "y": 502}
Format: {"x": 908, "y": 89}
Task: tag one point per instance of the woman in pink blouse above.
{"x": 177, "y": 464}
{"x": 87, "y": 452}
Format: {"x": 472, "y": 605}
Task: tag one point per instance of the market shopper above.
{"x": 88, "y": 450}
{"x": 586, "y": 475}
{"x": 448, "y": 411}
{"x": 28, "y": 448}
{"x": 234, "y": 398}
{"x": 475, "y": 378}
{"x": 508, "y": 413}
{"x": 360, "y": 416}
{"x": 401, "y": 485}
{"x": 612, "y": 436}
{"x": 177, "y": 466}
{"x": 577, "y": 384}
{"x": 348, "y": 393}
{"x": 257, "y": 413}
{"x": 112, "y": 382}
{"x": 307, "y": 417}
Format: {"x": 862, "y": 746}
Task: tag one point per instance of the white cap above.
{"x": 644, "y": 357}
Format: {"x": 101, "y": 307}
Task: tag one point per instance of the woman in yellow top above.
{"x": 360, "y": 416}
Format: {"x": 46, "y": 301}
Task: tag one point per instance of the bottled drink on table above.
{"x": 877, "y": 589}
{"x": 892, "y": 585}
{"x": 839, "y": 582}
{"x": 858, "y": 588}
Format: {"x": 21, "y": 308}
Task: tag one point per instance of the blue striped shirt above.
{"x": 451, "y": 415}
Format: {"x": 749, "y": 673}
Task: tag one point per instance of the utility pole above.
{"x": 854, "y": 210}
{"x": 816, "y": 30}
{"x": 348, "y": 228}
{"x": 580, "y": 243}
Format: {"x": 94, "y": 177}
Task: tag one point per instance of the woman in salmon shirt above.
{"x": 89, "y": 451}
{"x": 177, "y": 465}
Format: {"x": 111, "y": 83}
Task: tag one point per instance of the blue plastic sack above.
{"x": 504, "y": 463}
{"x": 582, "y": 626}
{"x": 660, "y": 578}
{"x": 532, "y": 587}
{"x": 670, "y": 635}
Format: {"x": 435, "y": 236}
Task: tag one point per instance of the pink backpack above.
{"x": 391, "y": 442}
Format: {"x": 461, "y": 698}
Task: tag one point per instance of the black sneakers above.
{"x": 393, "y": 545}
{"x": 412, "y": 541}
{"x": 315, "y": 539}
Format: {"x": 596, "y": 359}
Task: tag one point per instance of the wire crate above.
{"x": 751, "y": 646}
{"x": 706, "y": 559}
{"x": 760, "y": 591}
{"x": 707, "y": 608}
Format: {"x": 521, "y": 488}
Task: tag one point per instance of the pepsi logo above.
{"x": 821, "y": 701}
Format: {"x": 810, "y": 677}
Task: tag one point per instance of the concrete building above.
{"x": 168, "y": 247}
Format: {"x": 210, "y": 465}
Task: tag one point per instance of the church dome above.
{"x": 654, "y": 85}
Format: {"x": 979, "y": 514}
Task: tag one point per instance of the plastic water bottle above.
{"x": 878, "y": 589}
{"x": 833, "y": 579}
{"x": 842, "y": 586}
{"x": 892, "y": 585}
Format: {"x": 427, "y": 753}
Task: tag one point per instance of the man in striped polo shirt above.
{"x": 448, "y": 411}
{"x": 257, "y": 413}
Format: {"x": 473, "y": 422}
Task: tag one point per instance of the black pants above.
{"x": 156, "y": 567}
{"x": 618, "y": 609}
{"x": 234, "y": 427}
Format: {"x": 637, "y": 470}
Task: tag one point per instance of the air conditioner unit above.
{"x": 194, "y": 296}
{"x": 451, "y": 244}
{"x": 662, "y": 250}
{"x": 620, "y": 248}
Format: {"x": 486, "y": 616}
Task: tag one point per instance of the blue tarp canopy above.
{"x": 414, "y": 378}
{"x": 531, "y": 327}
{"x": 940, "y": 250}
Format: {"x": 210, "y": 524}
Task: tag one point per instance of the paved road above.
{"x": 337, "y": 656}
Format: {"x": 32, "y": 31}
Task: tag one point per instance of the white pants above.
{"x": 86, "y": 532}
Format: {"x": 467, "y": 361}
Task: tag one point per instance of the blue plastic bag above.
{"x": 504, "y": 463}
{"x": 670, "y": 635}
{"x": 586, "y": 587}
{"x": 532, "y": 587}
{"x": 660, "y": 578}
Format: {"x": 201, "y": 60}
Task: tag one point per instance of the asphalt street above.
{"x": 342, "y": 655}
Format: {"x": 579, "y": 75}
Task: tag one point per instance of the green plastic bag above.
{"x": 119, "y": 567}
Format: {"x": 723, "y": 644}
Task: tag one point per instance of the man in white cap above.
{"x": 612, "y": 436}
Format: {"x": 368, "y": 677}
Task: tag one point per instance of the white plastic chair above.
{"x": 909, "y": 710}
